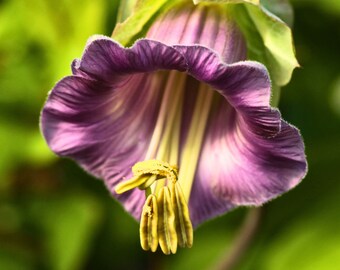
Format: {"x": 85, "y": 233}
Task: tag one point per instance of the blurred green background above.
{"x": 55, "y": 216}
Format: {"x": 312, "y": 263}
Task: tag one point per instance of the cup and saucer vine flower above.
{"x": 179, "y": 126}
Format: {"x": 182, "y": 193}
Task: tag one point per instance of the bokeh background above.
{"x": 55, "y": 216}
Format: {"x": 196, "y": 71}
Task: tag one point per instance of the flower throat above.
{"x": 165, "y": 218}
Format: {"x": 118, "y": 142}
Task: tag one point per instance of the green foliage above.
{"x": 69, "y": 223}
{"x": 330, "y": 6}
{"x": 280, "y": 8}
{"x": 269, "y": 39}
{"x": 145, "y": 12}
{"x": 39, "y": 39}
{"x": 254, "y": 2}
{"x": 278, "y": 53}
{"x": 126, "y": 8}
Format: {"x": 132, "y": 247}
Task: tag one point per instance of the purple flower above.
{"x": 179, "y": 110}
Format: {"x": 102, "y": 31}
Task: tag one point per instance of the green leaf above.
{"x": 255, "y": 2}
{"x": 70, "y": 222}
{"x": 269, "y": 41}
{"x": 145, "y": 12}
{"x": 276, "y": 93}
{"x": 332, "y": 7}
{"x": 308, "y": 242}
{"x": 10, "y": 260}
{"x": 126, "y": 8}
{"x": 280, "y": 8}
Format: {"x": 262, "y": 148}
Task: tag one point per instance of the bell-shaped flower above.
{"x": 178, "y": 126}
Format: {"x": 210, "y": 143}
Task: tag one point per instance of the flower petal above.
{"x": 105, "y": 59}
{"x": 208, "y": 26}
{"x": 238, "y": 168}
{"x": 249, "y": 155}
{"x": 245, "y": 86}
{"x": 104, "y": 115}
{"x": 250, "y": 170}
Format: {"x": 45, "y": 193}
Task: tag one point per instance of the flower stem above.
{"x": 242, "y": 241}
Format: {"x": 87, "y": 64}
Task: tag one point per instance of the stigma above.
{"x": 165, "y": 218}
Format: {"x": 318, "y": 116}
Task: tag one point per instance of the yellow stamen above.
{"x": 145, "y": 174}
{"x": 173, "y": 90}
{"x": 160, "y": 180}
{"x": 168, "y": 148}
{"x": 183, "y": 223}
{"x": 165, "y": 218}
{"x": 136, "y": 181}
{"x": 172, "y": 129}
{"x": 149, "y": 224}
{"x": 156, "y": 167}
{"x": 167, "y": 236}
{"x": 192, "y": 147}
{"x": 148, "y": 183}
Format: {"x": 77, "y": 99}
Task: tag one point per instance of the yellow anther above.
{"x": 148, "y": 210}
{"x": 132, "y": 183}
{"x": 167, "y": 236}
{"x": 148, "y": 224}
{"x": 146, "y": 173}
{"x": 156, "y": 167}
{"x": 148, "y": 183}
{"x": 165, "y": 218}
{"x": 182, "y": 217}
